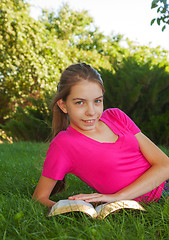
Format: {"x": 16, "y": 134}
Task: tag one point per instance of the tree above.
{"x": 34, "y": 53}
{"x": 67, "y": 24}
{"x": 163, "y": 11}
{"x": 30, "y": 59}
{"x": 19, "y": 63}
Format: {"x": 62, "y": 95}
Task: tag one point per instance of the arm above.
{"x": 153, "y": 177}
{"x": 43, "y": 190}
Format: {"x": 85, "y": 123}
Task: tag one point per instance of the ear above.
{"x": 62, "y": 105}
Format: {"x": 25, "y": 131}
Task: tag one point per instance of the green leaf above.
{"x": 158, "y": 21}
{"x": 164, "y": 10}
{"x": 153, "y": 5}
{"x": 155, "y": 1}
{"x": 163, "y": 28}
{"x": 152, "y": 21}
{"x": 158, "y": 10}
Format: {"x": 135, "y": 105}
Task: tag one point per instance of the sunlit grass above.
{"x": 21, "y": 218}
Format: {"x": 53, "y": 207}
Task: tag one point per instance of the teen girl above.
{"x": 106, "y": 149}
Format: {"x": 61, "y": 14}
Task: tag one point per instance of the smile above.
{"x": 89, "y": 121}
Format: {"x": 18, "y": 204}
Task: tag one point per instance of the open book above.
{"x": 101, "y": 211}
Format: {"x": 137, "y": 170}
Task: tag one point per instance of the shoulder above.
{"x": 57, "y": 162}
{"x": 61, "y": 137}
{"x": 121, "y": 119}
{"x": 58, "y": 143}
{"x": 113, "y": 113}
{"x": 59, "y": 147}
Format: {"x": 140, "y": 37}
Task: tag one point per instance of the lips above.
{"x": 90, "y": 121}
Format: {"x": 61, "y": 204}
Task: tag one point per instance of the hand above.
{"x": 94, "y": 197}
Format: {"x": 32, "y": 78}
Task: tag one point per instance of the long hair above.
{"x": 73, "y": 74}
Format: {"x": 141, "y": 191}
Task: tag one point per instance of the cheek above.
{"x": 100, "y": 109}
{"x": 74, "y": 113}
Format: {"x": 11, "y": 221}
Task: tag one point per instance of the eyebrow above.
{"x": 83, "y": 99}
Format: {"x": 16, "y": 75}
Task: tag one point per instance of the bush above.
{"x": 157, "y": 128}
{"x": 33, "y": 123}
{"x": 141, "y": 90}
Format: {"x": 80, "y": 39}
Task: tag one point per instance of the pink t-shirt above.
{"x": 106, "y": 167}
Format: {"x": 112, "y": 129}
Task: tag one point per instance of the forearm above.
{"x": 42, "y": 199}
{"x": 154, "y": 176}
{"x": 45, "y": 201}
{"x": 151, "y": 179}
{"x": 43, "y": 191}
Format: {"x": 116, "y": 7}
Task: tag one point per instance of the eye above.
{"x": 98, "y": 100}
{"x": 79, "y": 103}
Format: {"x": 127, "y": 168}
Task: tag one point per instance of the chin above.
{"x": 88, "y": 128}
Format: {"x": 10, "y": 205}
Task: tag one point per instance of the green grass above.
{"x": 21, "y": 218}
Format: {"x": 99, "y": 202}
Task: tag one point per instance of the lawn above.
{"x": 21, "y": 218}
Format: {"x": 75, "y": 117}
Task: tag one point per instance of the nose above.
{"x": 90, "y": 111}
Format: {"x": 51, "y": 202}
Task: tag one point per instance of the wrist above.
{"x": 119, "y": 196}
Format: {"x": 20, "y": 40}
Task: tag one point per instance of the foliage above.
{"x": 67, "y": 24}
{"x": 141, "y": 89}
{"x": 163, "y": 12}
{"x": 30, "y": 60}
{"x": 160, "y": 126}
{"x": 33, "y": 123}
{"x": 138, "y": 87}
{"x": 20, "y": 35}
{"x": 34, "y": 53}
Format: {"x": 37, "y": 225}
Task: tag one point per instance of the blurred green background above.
{"x": 35, "y": 52}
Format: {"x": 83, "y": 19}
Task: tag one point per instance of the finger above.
{"x": 95, "y": 199}
{"x": 90, "y": 198}
{"x": 84, "y": 196}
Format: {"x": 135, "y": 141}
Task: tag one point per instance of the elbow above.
{"x": 167, "y": 169}
{"x": 39, "y": 197}
{"x": 164, "y": 170}
{"x": 35, "y": 198}
{"x": 43, "y": 199}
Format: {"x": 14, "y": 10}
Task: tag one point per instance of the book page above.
{"x": 66, "y": 205}
{"x": 100, "y": 207}
{"x": 105, "y": 209}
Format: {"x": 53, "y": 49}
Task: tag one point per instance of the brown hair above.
{"x": 70, "y": 76}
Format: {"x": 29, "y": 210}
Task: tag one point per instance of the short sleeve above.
{"x": 56, "y": 164}
{"x": 125, "y": 120}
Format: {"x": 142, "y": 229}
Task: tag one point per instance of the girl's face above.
{"x": 84, "y": 106}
